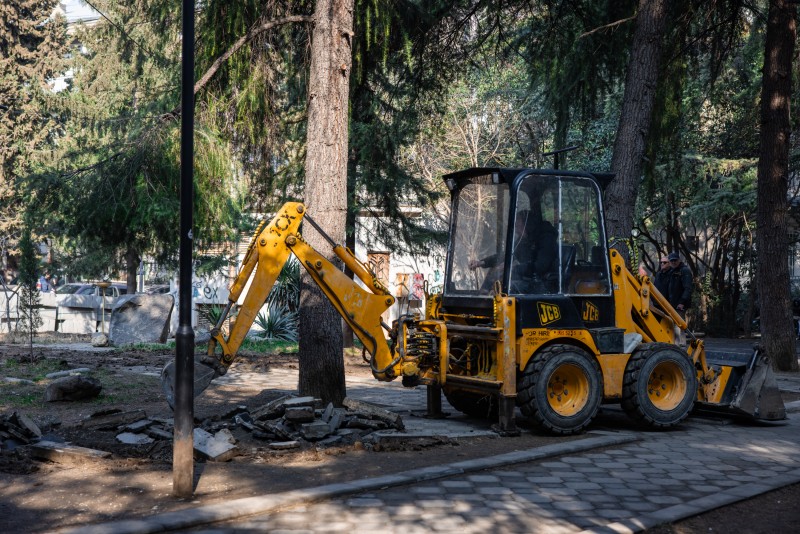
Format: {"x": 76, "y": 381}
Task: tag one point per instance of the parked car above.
{"x": 159, "y": 289}
{"x": 114, "y": 290}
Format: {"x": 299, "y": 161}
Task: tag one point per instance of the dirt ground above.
{"x": 37, "y": 496}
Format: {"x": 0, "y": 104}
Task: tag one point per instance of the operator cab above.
{"x": 539, "y": 234}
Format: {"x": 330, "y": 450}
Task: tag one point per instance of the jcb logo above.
{"x": 548, "y": 313}
{"x": 590, "y": 313}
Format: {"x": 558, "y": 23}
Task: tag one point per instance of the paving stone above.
{"x": 544, "y": 480}
{"x": 492, "y": 490}
{"x": 598, "y": 497}
{"x": 663, "y": 499}
{"x": 426, "y": 490}
{"x": 583, "y": 486}
{"x": 456, "y": 484}
{"x": 483, "y": 479}
{"x": 624, "y": 492}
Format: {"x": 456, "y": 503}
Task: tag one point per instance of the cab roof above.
{"x": 509, "y": 174}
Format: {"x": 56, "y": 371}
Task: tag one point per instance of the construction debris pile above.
{"x": 17, "y": 429}
{"x": 288, "y": 422}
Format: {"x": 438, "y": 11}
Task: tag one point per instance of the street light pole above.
{"x": 183, "y": 446}
{"x": 104, "y": 285}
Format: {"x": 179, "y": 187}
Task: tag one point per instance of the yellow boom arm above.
{"x": 268, "y": 253}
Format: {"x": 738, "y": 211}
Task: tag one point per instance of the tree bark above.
{"x": 773, "y": 178}
{"x": 320, "y": 345}
{"x": 635, "y": 117}
{"x": 132, "y": 260}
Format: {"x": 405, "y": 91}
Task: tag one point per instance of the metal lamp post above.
{"x": 105, "y": 284}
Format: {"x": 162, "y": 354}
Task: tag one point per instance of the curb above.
{"x": 263, "y": 504}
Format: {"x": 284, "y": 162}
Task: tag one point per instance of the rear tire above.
{"x": 561, "y": 389}
{"x": 478, "y": 405}
{"x": 659, "y": 385}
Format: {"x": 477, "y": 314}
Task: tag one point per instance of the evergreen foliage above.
{"x": 112, "y": 186}
{"x": 29, "y": 300}
{"x": 32, "y": 44}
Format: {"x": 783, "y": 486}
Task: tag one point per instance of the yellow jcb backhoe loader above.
{"x": 536, "y": 312}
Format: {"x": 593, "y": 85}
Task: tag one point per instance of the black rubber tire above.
{"x": 659, "y": 385}
{"x": 478, "y": 405}
{"x": 561, "y": 389}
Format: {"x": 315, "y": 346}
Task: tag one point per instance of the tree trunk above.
{"x": 132, "y": 261}
{"x": 635, "y": 116}
{"x": 773, "y": 175}
{"x": 320, "y": 345}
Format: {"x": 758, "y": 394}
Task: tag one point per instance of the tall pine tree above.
{"x": 32, "y": 47}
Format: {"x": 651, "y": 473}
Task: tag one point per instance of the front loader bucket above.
{"x": 750, "y": 388}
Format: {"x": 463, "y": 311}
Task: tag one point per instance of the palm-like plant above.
{"x": 278, "y": 323}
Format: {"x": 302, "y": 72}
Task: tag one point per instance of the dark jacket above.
{"x": 679, "y": 290}
{"x": 661, "y": 281}
{"x": 537, "y": 254}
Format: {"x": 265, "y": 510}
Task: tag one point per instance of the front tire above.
{"x": 659, "y": 386}
{"x": 561, "y": 389}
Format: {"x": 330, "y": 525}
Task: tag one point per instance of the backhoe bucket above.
{"x": 203, "y": 375}
{"x": 751, "y": 388}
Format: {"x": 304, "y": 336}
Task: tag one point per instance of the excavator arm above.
{"x": 268, "y": 253}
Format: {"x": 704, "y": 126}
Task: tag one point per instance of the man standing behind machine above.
{"x": 679, "y": 290}
{"x": 661, "y": 278}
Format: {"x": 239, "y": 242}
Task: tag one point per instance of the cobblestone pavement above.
{"x": 662, "y": 477}
{"x": 639, "y": 481}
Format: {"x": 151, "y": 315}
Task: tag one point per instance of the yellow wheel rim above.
{"x": 568, "y": 390}
{"x": 666, "y": 386}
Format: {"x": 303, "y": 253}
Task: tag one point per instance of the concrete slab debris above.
{"x": 284, "y": 445}
{"x": 64, "y": 453}
{"x": 12, "y": 380}
{"x": 315, "y": 431}
{"x": 68, "y": 372}
{"x": 26, "y": 423}
{"x": 271, "y": 410}
{"x": 114, "y": 420}
{"x": 129, "y": 438}
{"x": 300, "y": 414}
{"x": 216, "y": 448}
{"x": 375, "y": 412}
{"x": 294, "y": 402}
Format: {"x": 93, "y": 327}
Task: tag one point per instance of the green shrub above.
{"x": 278, "y": 323}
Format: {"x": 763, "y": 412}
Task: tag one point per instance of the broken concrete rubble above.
{"x": 216, "y": 447}
{"x": 69, "y": 372}
{"x": 111, "y": 421}
{"x": 16, "y": 430}
{"x": 65, "y": 453}
{"x": 277, "y": 423}
{"x": 130, "y": 438}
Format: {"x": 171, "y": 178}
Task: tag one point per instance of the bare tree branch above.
{"x": 607, "y": 26}
{"x": 249, "y": 36}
